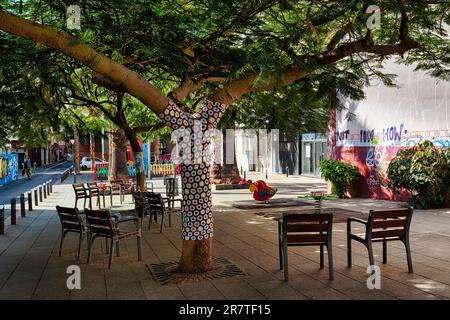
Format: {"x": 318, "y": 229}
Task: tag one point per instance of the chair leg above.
{"x": 63, "y": 234}
{"x": 321, "y": 257}
{"x": 149, "y": 220}
{"x": 104, "y": 204}
{"x": 285, "y": 262}
{"x": 170, "y": 219}
{"x": 80, "y": 243}
{"x": 91, "y": 242}
{"x": 162, "y": 222}
{"x": 111, "y": 199}
{"x": 76, "y": 200}
{"x": 111, "y": 253}
{"x": 280, "y": 252}
{"x": 349, "y": 252}
{"x": 330, "y": 262}
{"x": 370, "y": 251}
{"x": 90, "y": 203}
{"x": 408, "y": 255}
{"x": 139, "y": 248}
{"x": 384, "y": 252}
{"x": 84, "y": 204}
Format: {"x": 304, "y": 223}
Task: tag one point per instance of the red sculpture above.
{"x": 261, "y": 191}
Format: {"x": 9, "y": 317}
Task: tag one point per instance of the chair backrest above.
{"x": 100, "y": 222}
{"x": 93, "y": 188}
{"x": 80, "y": 190}
{"x": 155, "y": 200}
{"x": 307, "y": 228}
{"x": 172, "y": 186}
{"x": 70, "y": 218}
{"x": 141, "y": 204}
{"x": 389, "y": 223}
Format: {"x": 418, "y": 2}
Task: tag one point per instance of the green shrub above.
{"x": 341, "y": 175}
{"x": 424, "y": 171}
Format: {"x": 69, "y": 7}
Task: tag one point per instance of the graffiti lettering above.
{"x": 376, "y": 157}
{"x": 367, "y": 135}
{"x": 342, "y": 135}
{"x": 394, "y": 134}
{"x": 443, "y": 143}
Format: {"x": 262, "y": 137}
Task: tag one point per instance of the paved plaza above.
{"x": 245, "y": 234}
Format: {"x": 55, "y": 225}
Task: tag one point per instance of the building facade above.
{"x": 369, "y": 133}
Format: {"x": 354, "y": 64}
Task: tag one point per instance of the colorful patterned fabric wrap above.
{"x": 196, "y": 209}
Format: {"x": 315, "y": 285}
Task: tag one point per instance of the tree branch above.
{"x": 236, "y": 88}
{"x": 132, "y": 82}
{"x": 98, "y": 106}
{"x": 155, "y": 127}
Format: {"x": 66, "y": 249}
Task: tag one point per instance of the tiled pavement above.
{"x": 30, "y": 267}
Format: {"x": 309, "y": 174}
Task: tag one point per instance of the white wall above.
{"x": 421, "y": 104}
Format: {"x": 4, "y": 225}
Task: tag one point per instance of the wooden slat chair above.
{"x": 142, "y": 207}
{"x": 71, "y": 221}
{"x": 158, "y": 206}
{"x": 102, "y": 225}
{"x": 116, "y": 189}
{"x": 172, "y": 191}
{"x": 305, "y": 230}
{"x": 95, "y": 191}
{"x": 382, "y": 226}
{"x": 81, "y": 192}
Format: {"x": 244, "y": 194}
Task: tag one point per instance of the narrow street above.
{"x": 22, "y": 185}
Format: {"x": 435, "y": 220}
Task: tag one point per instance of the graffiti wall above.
{"x": 9, "y": 168}
{"x": 370, "y": 132}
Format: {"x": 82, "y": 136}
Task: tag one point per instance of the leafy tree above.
{"x": 218, "y": 50}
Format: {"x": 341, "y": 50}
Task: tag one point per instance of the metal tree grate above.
{"x": 166, "y": 272}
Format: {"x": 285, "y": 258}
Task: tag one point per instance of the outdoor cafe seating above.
{"x": 382, "y": 226}
{"x": 101, "y": 224}
{"x": 305, "y": 229}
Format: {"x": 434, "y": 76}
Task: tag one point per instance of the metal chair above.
{"x": 71, "y": 221}
{"x": 81, "y": 193}
{"x": 96, "y": 191}
{"x": 101, "y": 224}
{"x": 305, "y": 230}
{"x": 382, "y": 226}
{"x": 172, "y": 191}
{"x": 158, "y": 206}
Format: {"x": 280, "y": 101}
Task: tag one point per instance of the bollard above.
{"x": 44, "y": 190}
{"x": 30, "y": 201}
{"x": 2, "y": 220}
{"x": 266, "y": 174}
{"x": 241, "y": 169}
{"x": 51, "y": 186}
{"x": 22, "y": 205}
{"x": 13, "y": 211}
{"x": 35, "y": 197}
{"x": 48, "y": 188}
{"x": 40, "y": 193}
{"x": 287, "y": 172}
{"x": 245, "y": 175}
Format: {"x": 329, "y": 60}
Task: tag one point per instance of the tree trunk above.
{"x": 118, "y": 164}
{"x": 156, "y": 145}
{"x": 138, "y": 160}
{"x": 196, "y": 210}
{"x": 92, "y": 150}
{"x": 196, "y": 256}
{"x": 76, "y": 149}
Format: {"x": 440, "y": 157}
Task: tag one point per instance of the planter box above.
{"x": 229, "y": 186}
